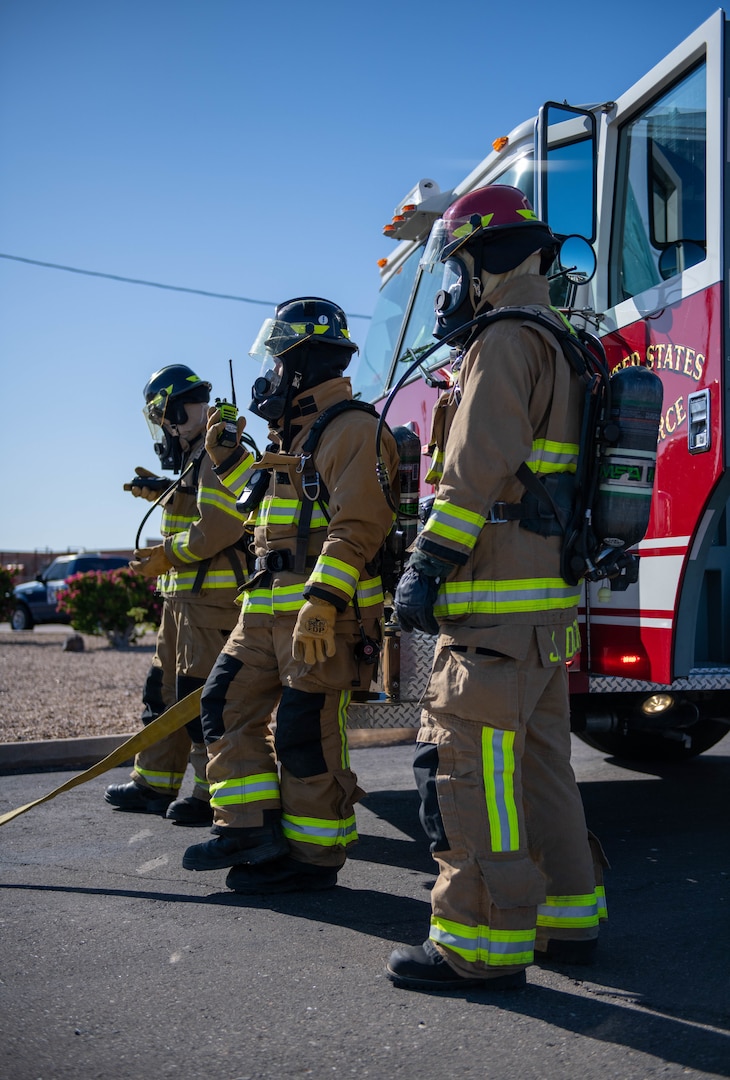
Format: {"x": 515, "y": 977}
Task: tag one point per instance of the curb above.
{"x": 82, "y": 753}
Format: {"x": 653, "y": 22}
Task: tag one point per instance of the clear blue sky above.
{"x": 240, "y": 148}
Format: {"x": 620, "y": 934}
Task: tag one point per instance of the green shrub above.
{"x": 7, "y": 583}
{"x": 115, "y": 603}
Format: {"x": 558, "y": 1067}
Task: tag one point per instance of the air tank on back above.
{"x": 409, "y": 475}
{"x": 627, "y": 465}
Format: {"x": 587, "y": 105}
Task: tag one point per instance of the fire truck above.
{"x": 637, "y": 189}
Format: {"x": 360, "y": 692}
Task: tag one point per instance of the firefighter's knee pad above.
{"x": 185, "y": 685}
{"x": 213, "y": 698}
{"x": 299, "y": 733}
{"x": 425, "y": 768}
{"x": 154, "y": 705}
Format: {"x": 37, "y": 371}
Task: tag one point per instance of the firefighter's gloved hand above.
{"x": 141, "y": 492}
{"x": 417, "y": 591}
{"x": 151, "y": 562}
{"x": 217, "y": 453}
{"x": 314, "y": 633}
{"x": 138, "y": 487}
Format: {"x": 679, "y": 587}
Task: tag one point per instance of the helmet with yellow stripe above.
{"x": 500, "y": 221}
{"x": 306, "y": 343}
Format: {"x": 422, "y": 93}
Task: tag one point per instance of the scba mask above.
{"x": 271, "y": 389}
{"x": 452, "y": 304}
{"x": 174, "y": 425}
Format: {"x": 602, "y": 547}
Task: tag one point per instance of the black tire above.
{"x": 21, "y": 618}
{"x": 650, "y": 746}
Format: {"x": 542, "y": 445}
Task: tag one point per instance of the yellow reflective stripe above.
{"x": 548, "y": 456}
{"x": 436, "y": 469}
{"x": 454, "y": 523}
{"x": 175, "y": 523}
{"x": 324, "y": 832}
{"x": 290, "y": 598}
{"x": 161, "y": 779}
{"x": 570, "y": 911}
{"x": 342, "y": 707}
{"x": 275, "y": 511}
{"x": 370, "y": 592}
{"x": 242, "y": 790}
{"x": 339, "y": 575}
{"x": 200, "y": 781}
{"x": 221, "y": 500}
{"x": 601, "y": 901}
{"x": 564, "y": 319}
{"x": 497, "y": 597}
{"x": 468, "y": 227}
{"x": 498, "y": 766}
{"x": 239, "y": 476}
{"x": 180, "y": 548}
{"x": 257, "y": 602}
{"x": 317, "y": 328}
{"x": 497, "y": 948}
{"x": 182, "y": 581}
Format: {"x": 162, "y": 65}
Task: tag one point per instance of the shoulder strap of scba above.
{"x": 328, "y": 415}
{"x": 312, "y": 484}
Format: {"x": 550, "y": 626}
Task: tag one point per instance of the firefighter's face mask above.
{"x": 174, "y": 426}
{"x": 452, "y": 303}
{"x": 272, "y": 346}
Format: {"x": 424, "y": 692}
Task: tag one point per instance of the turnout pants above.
{"x": 188, "y": 644}
{"x": 297, "y": 767}
{"x": 501, "y": 806}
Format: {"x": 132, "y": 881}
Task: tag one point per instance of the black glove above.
{"x": 414, "y": 599}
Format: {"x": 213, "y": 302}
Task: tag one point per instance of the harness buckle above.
{"x": 496, "y": 514}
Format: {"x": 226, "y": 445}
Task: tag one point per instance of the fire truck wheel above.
{"x": 650, "y": 746}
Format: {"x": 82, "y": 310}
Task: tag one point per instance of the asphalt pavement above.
{"x": 117, "y": 963}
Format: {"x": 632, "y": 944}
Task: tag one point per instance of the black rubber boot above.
{"x": 581, "y": 953}
{"x": 282, "y": 876}
{"x": 140, "y": 800}
{"x": 190, "y": 811}
{"x": 235, "y": 846}
{"x": 422, "y": 967}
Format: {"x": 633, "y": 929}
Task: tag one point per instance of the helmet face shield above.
{"x": 434, "y": 249}
{"x": 276, "y": 337}
{"x": 448, "y": 235}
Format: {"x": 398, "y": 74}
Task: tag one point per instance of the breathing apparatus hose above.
{"x": 381, "y": 467}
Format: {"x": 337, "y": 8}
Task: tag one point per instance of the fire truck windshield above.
{"x": 403, "y": 320}
{"x": 408, "y": 294}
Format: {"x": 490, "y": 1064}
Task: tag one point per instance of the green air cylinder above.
{"x": 627, "y": 465}
{"x": 409, "y": 475}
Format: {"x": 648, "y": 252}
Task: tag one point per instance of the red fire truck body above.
{"x": 644, "y": 180}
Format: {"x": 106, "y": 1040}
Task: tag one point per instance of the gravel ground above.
{"x": 46, "y": 693}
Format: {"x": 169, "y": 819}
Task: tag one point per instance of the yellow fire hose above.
{"x": 173, "y": 719}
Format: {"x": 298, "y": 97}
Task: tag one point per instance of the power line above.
{"x": 151, "y": 284}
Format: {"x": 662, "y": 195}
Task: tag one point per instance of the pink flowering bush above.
{"x": 116, "y": 603}
{"x": 7, "y": 583}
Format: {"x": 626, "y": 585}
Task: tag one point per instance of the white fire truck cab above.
{"x": 644, "y": 181}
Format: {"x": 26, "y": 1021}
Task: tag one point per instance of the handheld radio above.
{"x": 229, "y": 415}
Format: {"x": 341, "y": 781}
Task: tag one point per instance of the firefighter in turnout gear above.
{"x": 520, "y": 877}
{"x": 199, "y": 568}
{"x": 284, "y": 803}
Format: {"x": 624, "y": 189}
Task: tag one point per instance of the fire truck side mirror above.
{"x": 577, "y": 260}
